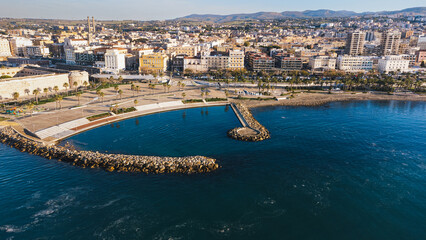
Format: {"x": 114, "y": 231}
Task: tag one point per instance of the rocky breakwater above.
{"x": 253, "y": 132}
{"x": 110, "y": 162}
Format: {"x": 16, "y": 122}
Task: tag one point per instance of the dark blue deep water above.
{"x": 353, "y": 170}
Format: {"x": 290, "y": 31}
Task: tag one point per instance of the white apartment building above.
{"x": 115, "y": 60}
{"x": 421, "y": 43}
{"x": 18, "y": 44}
{"x": 36, "y": 51}
{"x": 70, "y": 46}
{"x": 354, "y": 63}
{"x": 393, "y": 64}
{"x": 322, "y": 62}
{"x": 5, "y": 48}
{"x": 195, "y": 64}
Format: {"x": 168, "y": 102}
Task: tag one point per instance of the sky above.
{"x": 170, "y": 9}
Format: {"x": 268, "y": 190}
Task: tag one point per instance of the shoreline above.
{"x": 319, "y": 99}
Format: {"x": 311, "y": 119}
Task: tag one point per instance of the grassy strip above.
{"x": 192, "y": 101}
{"x": 256, "y": 99}
{"x": 3, "y": 119}
{"x": 216, "y": 99}
{"x": 99, "y": 116}
{"x": 123, "y": 110}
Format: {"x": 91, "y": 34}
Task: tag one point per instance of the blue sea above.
{"x": 345, "y": 170}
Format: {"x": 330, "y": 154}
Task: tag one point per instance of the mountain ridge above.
{"x": 319, "y": 13}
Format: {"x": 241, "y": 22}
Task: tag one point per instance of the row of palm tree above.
{"x": 361, "y": 81}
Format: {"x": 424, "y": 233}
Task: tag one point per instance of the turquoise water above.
{"x": 354, "y": 170}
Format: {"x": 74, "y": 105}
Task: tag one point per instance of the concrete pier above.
{"x": 251, "y": 129}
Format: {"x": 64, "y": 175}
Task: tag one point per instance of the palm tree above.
{"x": 75, "y": 84}
{"x": 135, "y": 102}
{"x": 85, "y": 83}
{"x": 120, "y": 92}
{"x": 78, "y": 97}
{"x": 58, "y": 100}
{"x": 132, "y": 87}
{"x": 56, "y": 89}
{"x": 66, "y": 85}
{"x": 15, "y": 95}
{"x": 30, "y": 107}
{"x": 45, "y": 90}
{"x": 183, "y": 95}
{"x": 116, "y": 88}
{"x": 138, "y": 88}
{"x": 36, "y": 92}
{"x": 102, "y": 94}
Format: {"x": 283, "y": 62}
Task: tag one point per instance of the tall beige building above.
{"x": 389, "y": 44}
{"x": 5, "y": 48}
{"x": 355, "y": 43}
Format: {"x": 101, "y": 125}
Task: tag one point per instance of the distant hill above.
{"x": 321, "y": 13}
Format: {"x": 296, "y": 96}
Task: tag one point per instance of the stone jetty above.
{"x": 109, "y": 162}
{"x": 252, "y": 130}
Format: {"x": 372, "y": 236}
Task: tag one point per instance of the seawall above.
{"x": 109, "y": 162}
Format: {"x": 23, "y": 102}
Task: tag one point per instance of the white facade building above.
{"x": 36, "y": 51}
{"x": 421, "y": 43}
{"x": 18, "y": 44}
{"x": 354, "y": 63}
{"x": 195, "y": 64}
{"x": 5, "y": 48}
{"x": 115, "y": 60}
{"x": 70, "y": 46}
{"x": 322, "y": 62}
{"x": 393, "y": 64}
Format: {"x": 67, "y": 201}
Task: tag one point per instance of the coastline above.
{"x": 318, "y": 99}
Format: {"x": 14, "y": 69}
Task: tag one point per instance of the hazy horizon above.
{"x": 155, "y": 10}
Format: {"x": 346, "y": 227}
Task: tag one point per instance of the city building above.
{"x": 115, "y": 60}
{"x": 393, "y": 64}
{"x": 195, "y": 64}
{"x": 153, "y": 63}
{"x": 187, "y": 50}
{"x": 421, "y": 56}
{"x": 26, "y": 79}
{"x": 236, "y": 59}
{"x": 354, "y": 63}
{"x": 288, "y": 62}
{"x": 36, "y": 51}
{"x": 322, "y": 63}
{"x": 72, "y": 45}
{"x": 18, "y": 44}
{"x": 259, "y": 62}
{"x": 5, "y": 48}
{"x": 355, "y": 43}
{"x": 421, "y": 43}
{"x": 389, "y": 44}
